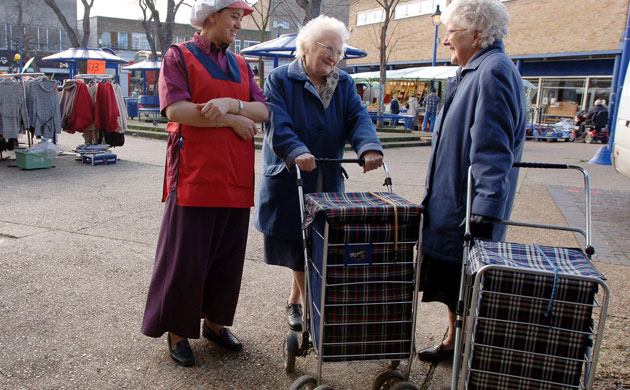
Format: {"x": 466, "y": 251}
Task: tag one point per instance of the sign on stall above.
{"x": 95, "y": 67}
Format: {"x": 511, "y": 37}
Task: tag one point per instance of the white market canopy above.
{"x": 145, "y": 65}
{"x": 83, "y": 54}
{"x": 417, "y": 74}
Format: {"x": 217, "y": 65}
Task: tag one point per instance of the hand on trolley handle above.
{"x": 369, "y": 161}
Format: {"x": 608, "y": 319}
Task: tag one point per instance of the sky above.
{"x": 129, "y": 9}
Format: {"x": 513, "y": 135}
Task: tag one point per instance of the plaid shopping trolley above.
{"x": 528, "y": 317}
{"x": 361, "y": 273}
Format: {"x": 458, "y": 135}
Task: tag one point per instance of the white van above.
{"x": 621, "y": 147}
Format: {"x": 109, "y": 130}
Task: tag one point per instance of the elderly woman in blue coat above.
{"x": 315, "y": 109}
{"x": 482, "y": 125}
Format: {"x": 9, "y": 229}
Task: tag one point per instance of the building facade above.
{"x": 566, "y": 48}
{"x": 31, "y": 28}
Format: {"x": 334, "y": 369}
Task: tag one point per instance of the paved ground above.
{"x": 76, "y": 253}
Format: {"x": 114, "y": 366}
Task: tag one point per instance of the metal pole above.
{"x": 20, "y": 48}
{"x": 625, "y": 57}
{"x": 435, "y": 40}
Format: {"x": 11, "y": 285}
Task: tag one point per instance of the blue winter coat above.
{"x": 481, "y": 124}
{"x": 299, "y": 124}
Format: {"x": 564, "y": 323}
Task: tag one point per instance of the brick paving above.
{"x": 610, "y": 220}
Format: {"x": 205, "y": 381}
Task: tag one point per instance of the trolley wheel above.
{"x": 387, "y": 379}
{"x": 588, "y": 139}
{"x": 404, "y": 386}
{"x": 394, "y": 364}
{"x": 304, "y": 383}
{"x": 291, "y": 349}
{"x": 571, "y": 137}
{"x": 324, "y": 387}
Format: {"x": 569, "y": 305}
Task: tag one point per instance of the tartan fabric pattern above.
{"x": 544, "y": 368}
{"x": 348, "y": 207}
{"x": 368, "y": 310}
{"x": 569, "y": 261}
{"x": 514, "y": 332}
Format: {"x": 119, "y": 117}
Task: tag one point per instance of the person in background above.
{"x": 394, "y": 105}
{"x": 481, "y": 126}
{"x": 412, "y": 106}
{"x": 430, "y": 111}
{"x": 213, "y": 102}
{"x": 315, "y": 109}
{"x": 596, "y": 117}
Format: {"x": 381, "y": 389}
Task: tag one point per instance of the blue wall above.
{"x": 592, "y": 67}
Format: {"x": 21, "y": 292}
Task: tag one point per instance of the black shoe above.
{"x": 294, "y": 313}
{"x": 181, "y": 352}
{"x": 435, "y": 354}
{"x": 224, "y": 339}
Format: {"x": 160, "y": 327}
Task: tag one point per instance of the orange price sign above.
{"x": 95, "y": 67}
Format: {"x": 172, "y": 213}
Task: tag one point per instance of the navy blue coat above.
{"x": 299, "y": 124}
{"x": 481, "y": 124}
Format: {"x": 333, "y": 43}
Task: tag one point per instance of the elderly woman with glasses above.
{"x": 314, "y": 109}
{"x": 481, "y": 125}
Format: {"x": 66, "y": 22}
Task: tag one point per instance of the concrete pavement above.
{"x": 76, "y": 252}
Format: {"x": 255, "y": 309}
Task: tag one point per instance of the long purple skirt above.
{"x": 198, "y": 269}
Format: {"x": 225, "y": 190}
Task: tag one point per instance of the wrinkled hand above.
{"x": 306, "y": 162}
{"x": 244, "y": 127}
{"x": 372, "y": 160}
{"x": 216, "y": 108}
{"x": 480, "y": 226}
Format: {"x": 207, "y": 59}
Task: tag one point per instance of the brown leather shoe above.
{"x": 435, "y": 354}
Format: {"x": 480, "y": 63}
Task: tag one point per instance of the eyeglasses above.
{"x": 450, "y": 32}
{"x": 331, "y": 50}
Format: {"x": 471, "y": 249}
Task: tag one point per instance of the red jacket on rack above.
{"x": 106, "y": 109}
{"x": 83, "y": 110}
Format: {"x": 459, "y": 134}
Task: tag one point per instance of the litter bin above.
{"x": 132, "y": 107}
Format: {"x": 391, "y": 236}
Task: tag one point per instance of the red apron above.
{"x": 211, "y": 167}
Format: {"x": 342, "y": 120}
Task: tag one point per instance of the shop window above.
{"x": 598, "y": 88}
{"x": 560, "y": 99}
{"x": 249, "y": 43}
{"x": 237, "y": 46}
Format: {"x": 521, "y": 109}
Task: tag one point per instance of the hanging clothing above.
{"x": 91, "y": 134}
{"x": 13, "y": 108}
{"x": 83, "y": 111}
{"x": 44, "y": 113}
{"x": 66, "y": 103}
{"x": 106, "y": 109}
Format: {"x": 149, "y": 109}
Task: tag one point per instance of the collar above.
{"x": 477, "y": 59}
{"x": 207, "y": 45}
{"x": 296, "y": 71}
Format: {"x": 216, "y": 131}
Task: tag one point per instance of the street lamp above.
{"x": 435, "y": 18}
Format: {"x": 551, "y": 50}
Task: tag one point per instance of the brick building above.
{"x": 39, "y": 36}
{"x": 567, "y": 48}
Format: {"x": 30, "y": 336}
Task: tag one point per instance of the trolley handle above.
{"x": 540, "y": 165}
{"x": 359, "y": 161}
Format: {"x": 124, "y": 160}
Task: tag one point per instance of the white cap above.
{"x": 204, "y": 8}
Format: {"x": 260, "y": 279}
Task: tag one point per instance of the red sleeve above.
{"x": 112, "y": 109}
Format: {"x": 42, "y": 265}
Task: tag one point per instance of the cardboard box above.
{"x": 99, "y": 159}
{"x": 31, "y": 161}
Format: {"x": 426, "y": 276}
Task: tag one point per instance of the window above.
{"x": 561, "y": 98}
{"x": 123, "y": 41}
{"x": 249, "y": 43}
{"x": 4, "y": 36}
{"x": 106, "y": 39}
{"x": 237, "y": 46}
{"x": 42, "y": 38}
{"x": 139, "y": 41}
{"x": 598, "y": 88}
{"x": 180, "y": 39}
{"x": 54, "y": 39}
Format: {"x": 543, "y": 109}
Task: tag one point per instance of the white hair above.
{"x": 315, "y": 28}
{"x": 489, "y": 17}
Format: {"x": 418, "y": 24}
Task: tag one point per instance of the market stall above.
{"x": 73, "y": 55}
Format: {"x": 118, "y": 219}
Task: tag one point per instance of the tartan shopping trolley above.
{"x": 529, "y": 316}
{"x": 361, "y": 272}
